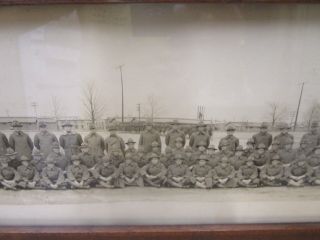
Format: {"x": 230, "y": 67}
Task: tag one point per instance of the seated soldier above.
{"x": 86, "y": 158}
{"x": 168, "y": 157}
{"x": 129, "y": 173}
{"x": 314, "y": 158}
{"x": 248, "y": 175}
{"x": 38, "y": 160}
{"x": 272, "y": 174}
{"x": 154, "y": 173}
{"x": 212, "y": 156}
{"x": 52, "y": 177}
{"x": 287, "y": 155}
{"x": 298, "y": 173}
{"x": 13, "y": 160}
{"x": 130, "y": 147}
{"x": 239, "y": 159}
{"x": 106, "y": 174}
{"x": 78, "y": 175}
{"x": 275, "y": 148}
{"x": 201, "y": 175}
{"x": 224, "y": 174}
{"x": 29, "y": 175}
{"x": 59, "y": 159}
{"x": 116, "y": 157}
{"x": 260, "y": 157}
{"x": 178, "y": 174}
{"x": 249, "y": 149}
{"x": 189, "y": 160}
{"x": 141, "y": 158}
{"x": 9, "y": 177}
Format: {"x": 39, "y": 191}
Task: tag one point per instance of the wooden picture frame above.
{"x": 282, "y": 231}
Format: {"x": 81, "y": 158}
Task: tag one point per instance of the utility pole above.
{"x": 35, "y": 105}
{"x": 122, "y": 103}
{"x": 139, "y": 113}
{"x": 298, "y": 108}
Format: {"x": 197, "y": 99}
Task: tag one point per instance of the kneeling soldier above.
{"x": 178, "y": 174}
{"x": 78, "y": 175}
{"x": 154, "y": 173}
{"x": 248, "y": 175}
{"x": 272, "y": 174}
{"x": 129, "y": 173}
{"x": 29, "y": 176}
{"x": 8, "y": 175}
{"x": 201, "y": 176}
{"x": 105, "y": 173}
{"x": 224, "y": 174}
{"x": 298, "y": 173}
{"x": 52, "y": 177}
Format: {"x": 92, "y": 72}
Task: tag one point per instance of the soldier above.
{"x": 4, "y": 144}
{"x": 231, "y": 141}
{"x": 38, "y": 160}
{"x": 178, "y": 174}
{"x": 56, "y": 156}
{"x": 141, "y": 158}
{"x": 179, "y": 144}
{"x": 44, "y": 139}
{"x": 29, "y": 175}
{"x": 19, "y": 141}
{"x": 199, "y": 136}
{"x": 263, "y": 136}
{"x": 275, "y": 149}
{"x": 70, "y": 141}
{"x": 312, "y": 138}
{"x": 201, "y": 175}
{"x": 14, "y": 162}
{"x": 154, "y": 173}
{"x": 224, "y": 174}
{"x": 249, "y": 149}
{"x": 149, "y": 136}
{"x": 173, "y": 134}
{"x": 95, "y": 142}
{"x": 189, "y": 160}
{"x": 224, "y": 151}
{"x": 131, "y": 149}
{"x": 248, "y": 175}
{"x": 287, "y": 154}
{"x": 303, "y": 151}
{"x": 52, "y": 177}
{"x": 129, "y": 173}
{"x": 284, "y": 135}
{"x": 212, "y": 156}
{"x": 78, "y": 175}
{"x": 8, "y": 175}
{"x": 201, "y": 150}
{"x": 272, "y": 174}
{"x": 86, "y": 158}
{"x": 116, "y": 156}
{"x": 260, "y": 157}
{"x": 298, "y": 173}
{"x": 314, "y": 159}
{"x": 239, "y": 159}
{"x": 114, "y": 143}
{"x": 168, "y": 157}
{"x": 315, "y": 179}
{"x": 106, "y": 174}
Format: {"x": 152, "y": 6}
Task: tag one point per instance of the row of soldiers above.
{"x": 84, "y": 164}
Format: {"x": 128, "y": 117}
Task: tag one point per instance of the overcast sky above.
{"x": 232, "y": 59}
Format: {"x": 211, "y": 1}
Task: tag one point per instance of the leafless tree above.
{"x": 153, "y": 107}
{"x": 56, "y": 106}
{"x": 277, "y": 112}
{"x": 313, "y": 113}
{"x": 93, "y": 107}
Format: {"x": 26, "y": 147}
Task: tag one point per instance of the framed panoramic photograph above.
{"x": 159, "y": 119}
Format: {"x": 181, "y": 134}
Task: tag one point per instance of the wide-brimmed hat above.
{"x": 264, "y": 125}
{"x": 231, "y": 128}
{"x": 201, "y": 124}
{"x": 130, "y": 140}
{"x": 75, "y": 158}
{"x": 42, "y": 124}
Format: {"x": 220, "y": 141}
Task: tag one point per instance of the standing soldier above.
{"x": 78, "y": 175}
{"x": 95, "y": 142}
{"x": 260, "y": 157}
{"x": 312, "y": 138}
{"x": 19, "y": 141}
{"x": 4, "y": 144}
{"x": 248, "y": 175}
{"x": 149, "y": 136}
{"x": 154, "y": 173}
{"x": 178, "y": 174}
{"x": 298, "y": 173}
{"x": 224, "y": 174}
{"x": 250, "y": 148}
{"x": 173, "y": 134}
{"x": 275, "y": 149}
{"x": 114, "y": 143}
{"x": 105, "y": 174}
{"x": 239, "y": 159}
{"x": 230, "y": 139}
{"x": 272, "y": 174}
{"x": 201, "y": 176}
{"x": 287, "y": 154}
{"x": 29, "y": 175}
{"x": 70, "y": 141}
{"x": 44, "y": 139}
{"x": 199, "y": 136}
{"x": 263, "y": 136}
{"x": 284, "y": 135}
{"x": 8, "y": 175}
{"x": 52, "y": 177}
{"x": 129, "y": 173}
{"x": 59, "y": 159}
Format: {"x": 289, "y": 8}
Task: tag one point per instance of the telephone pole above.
{"x": 298, "y": 108}
{"x": 139, "y": 113}
{"x": 122, "y": 102}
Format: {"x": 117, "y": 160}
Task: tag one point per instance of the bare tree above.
{"x": 92, "y": 105}
{"x": 56, "y": 107}
{"x": 277, "y": 112}
{"x": 313, "y": 113}
{"x": 153, "y": 107}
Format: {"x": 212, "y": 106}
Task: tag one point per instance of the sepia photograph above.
{"x": 166, "y": 114}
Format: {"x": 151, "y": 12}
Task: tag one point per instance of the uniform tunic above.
{"x": 114, "y": 143}
{"x": 71, "y": 143}
{"x": 21, "y": 143}
{"x": 104, "y": 171}
{"x": 77, "y": 173}
{"x": 88, "y": 160}
{"x": 28, "y": 173}
{"x": 4, "y": 144}
{"x": 96, "y": 144}
{"x": 171, "y": 137}
{"x": 198, "y": 137}
{"x": 8, "y": 173}
{"x": 260, "y": 160}
{"x": 287, "y": 156}
{"x": 147, "y": 138}
{"x": 52, "y": 176}
{"x": 176, "y": 170}
{"x": 272, "y": 175}
{"x": 232, "y": 143}
{"x": 283, "y": 139}
{"x": 43, "y": 141}
{"x": 312, "y": 139}
{"x": 129, "y": 170}
{"x": 60, "y": 160}
{"x": 265, "y": 138}
{"x": 154, "y": 169}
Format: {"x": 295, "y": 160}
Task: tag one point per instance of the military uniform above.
{"x": 70, "y": 142}
{"x": 8, "y": 175}
{"x": 260, "y": 159}
{"x": 147, "y": 138}
{"x": 178, "y": 174}
{"x": 197, "y": 137}
{"x": 298, "y": 173}
{"x": 78, "y": 176}
{"x": 272, "y": 174}
{"x": 38, "y": 160}
{"x": 262, "y": 137}
{"x": 171, "y": 137}
{"x": 314, "y": 159}
{"x": 274, "y": 150}
{"x": 86, "y": 158}
{"x": 287, "y": 154}
{"x": 283, "y": 138}
{"x": 189, "y": 160}
{"x": 239, "y": 159}
{"x": 43, "y": 141}
{"x": 11, "y": 155}
{"x": 141, "y": 158}
{"x": 4, "y": 144}
{"x": 21, "y": 143}
{"x": 201, "y": 175}
{"x": 200, "y": 150}
{"x": 154, "y": 174}
{"x": 52, "y": 177}
{"x": 224, "y": 175}
{"x": 106, "y": 174}
{"x": 249, "y": 149}
{"x": 95, "y": 143}
{"x": 29, "y": 175}
{"x": 129, "y": 175}
{"x": 315, "y": 179}
{"x": 131, "y": 150}
{"x": 60, "y": 160}
{"x": 114, "y": 143}
{"x": 248, "y": 175}
{"x": 116, "y": 157}
{"x": 312, "y": 138}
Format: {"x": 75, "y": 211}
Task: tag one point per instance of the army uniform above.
{"x": 172, "y": 135}
{"x": 272, "y": 174}
{"x": 78, "y": 175}
{"x": 114, "y": 143}
{"x": 43, "y": 141}
{"x": 129, "y": 174}
{"x": 262, "y": 137}
{"x": 4, "y": 144}
{"x": 230, "y": 141}
{"x": 224, "y": 175}
{"x": 260, "y": 159}
{"x": 287, "y": 154}
{"x": 95, "y": 143}
{"x": 199, "y": 136}
{"x": 9, "y": 177}
{"x": 60, "y": 160}
{"x": 116, "y": 157}
{"x": 248, "y": 175}
{"x": 283, "y": 137}
{"x": 52, "y": 177}
{"x": 312, "y": 138}
{"x": 14, "y": 162}
{"x": 105, "y": 174}
{"x": 213, "y": 159}
{"x": 315, "y": 178}
{"x": 239, "y": 159}
{"x": 141, "y": 158}
{"x": 189, "y": 160}
{"x": 201, "y": 175}
{"x": 274, "y": 150}
{"x": 29, "y": 175}
{"x": 147, "y": 137}
{"x": 86, "y": 158}
{"x": 21, "y": 143}
{"x": 249, "y": 149}
{"x": 201, "y": 150}
{"x": 168, "y": 157}
{"x": 154, "y": 174}
{"x": 38, "y": 160}
{"x": 178, "y": 147}
{"x": 224, "y": 151}
{"x": 178, "y": 174}
{"x": 130, "y": 143}
{"x": 314, "y": 159}
{"x": 298, "y": 173}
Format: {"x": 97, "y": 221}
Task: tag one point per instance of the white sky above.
{"x": 232, "y": 59}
